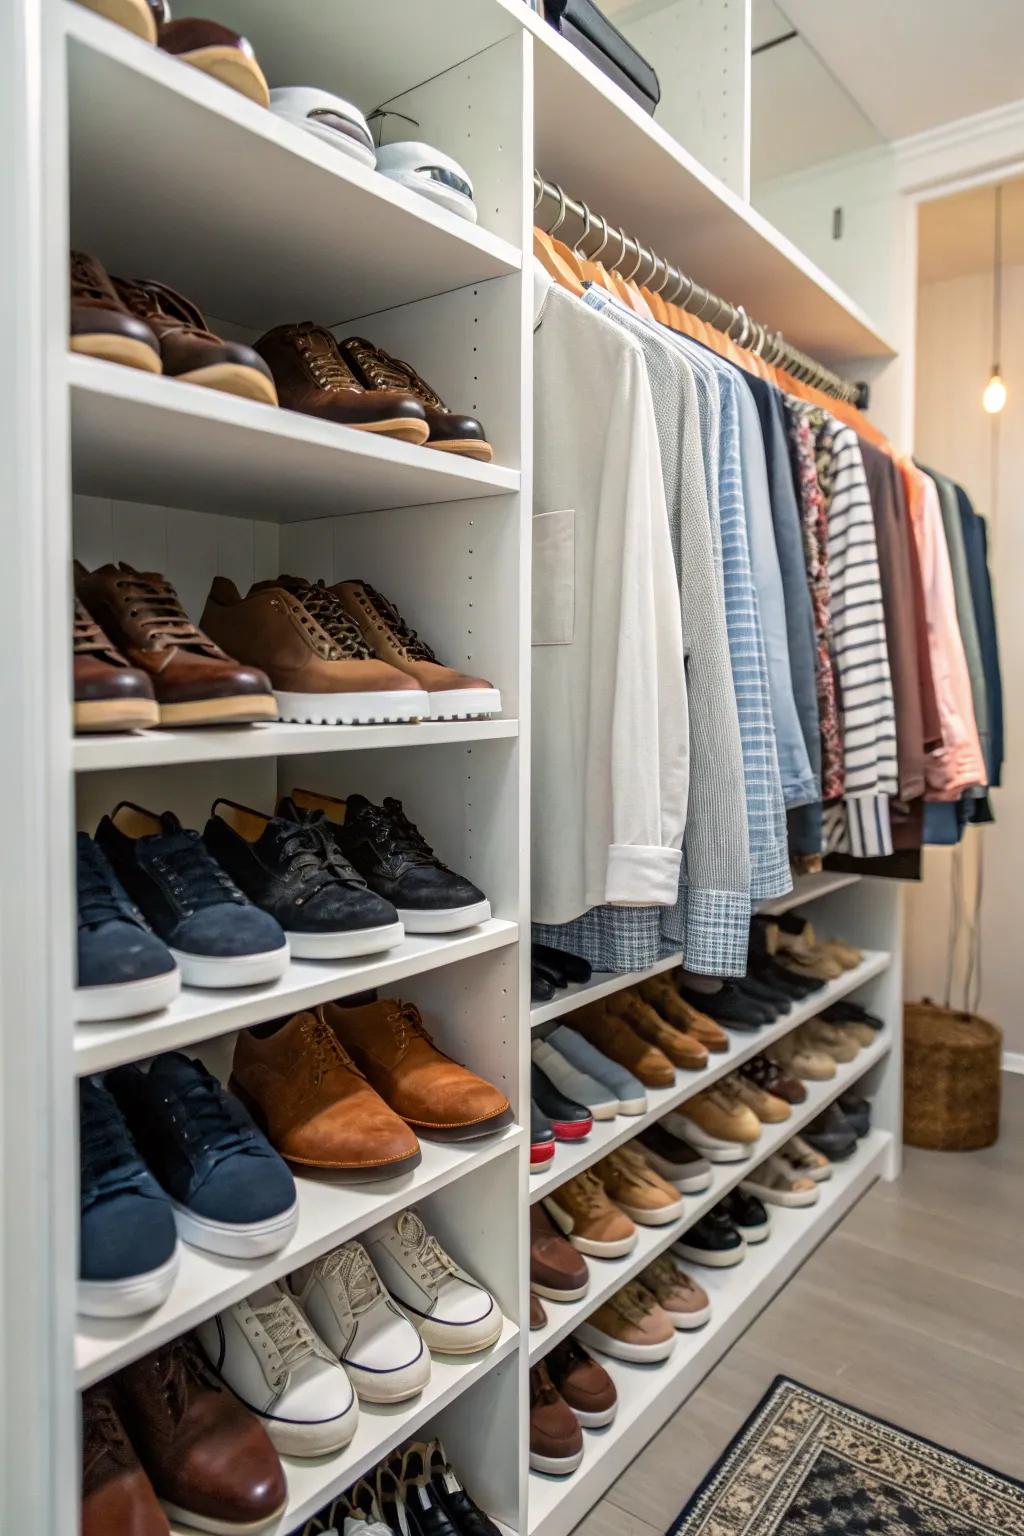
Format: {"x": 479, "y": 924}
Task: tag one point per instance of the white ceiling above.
{"x": 955, "y": 234}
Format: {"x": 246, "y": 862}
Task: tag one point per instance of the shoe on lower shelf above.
{"x": 542, "y": 1139}
{"x": 569, "y": 1120}
{"x": 116, "y": 1493}
{"x": 630, "y": 1096}
{"x": 747, "y": 1213}
{"x": 558, "y": 1271}
{"x": 767, "y": 1074}
{"x": 804, "y": 1161}
{"x": 450, "y": 431}
{"x": 556, "y": 1439}
{"x": 769, "y": 1108}
{"x": 717, "y": 1123}
{"x": 857, "y": 1111}
{"x": 682, "y": 1050}
{"x": 820, "y": 1035}
{"x": 453, "y": 1311}
{"x": 660, "y": 991}
{"x": 675, "y": 1160}
{"x": 124, "y": 970}
{"x": 797, "y": 1056}
{"x": 538, "y": 1316}
{"x": 637, "y": 1189}
{"x": 102, "y": 325}
{"x": 594, "y": 1224}
{"x": 775, "y": 1181}
{"x": 630, "y": 1325}
{"x": 611, "y": 1035}
{"x": 832, "y": 1134}
{"x": 685, "y": 1302}
{"x": 109, "y": 694}
{"x": 572, "y": 969}
{"x": 584, "y": 1384}
{"x": 713, "y": 1241}
{"x": 574, "y": 1084}
{"x": 726, "y": 1004}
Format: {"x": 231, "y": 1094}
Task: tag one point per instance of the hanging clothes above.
{"x": 975, "y": 540}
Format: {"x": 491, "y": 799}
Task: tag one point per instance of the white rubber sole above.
{"x": 715, "y": 1148}
{"x": 686, "y": 1183}
{"x": 606, "y": 1110}
{"x": 595, "y": 1250}
{"x": 221, "y": 1527}
{"x": 632, "y": 1106}
{"x": 464, "y": 703}
{"x": 127, "y": 999}
{"x": 654, "y": 1218}
{"x": 396, "y": 1386}
{"x": 310, "y": 1440}
{"x": 233, "y": 1240}
{"x": 345, "y": 945}
{"x": 555, "y": 1466}
{"x": 637, "y": 1354}
{"x": 223, "y": 971}
{"x": 759, "y": 1234}
{"x": 444, "y": 919}
{"x": 685, "y": 1321}
{"x": 388, "y": 708}
{"x": 789, "y": 1198}
{"x": 595, "y": 1420}
{"x": 449, "y": 1340}
{"x": 129, "y": 1297}
{"x": 725, "y": 1260}
{"x": 549, "y": 1293}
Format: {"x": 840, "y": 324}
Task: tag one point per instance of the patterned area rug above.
{"x": 806, "y": 1465}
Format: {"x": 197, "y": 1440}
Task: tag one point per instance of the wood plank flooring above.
{"x": 912, "y": 1309}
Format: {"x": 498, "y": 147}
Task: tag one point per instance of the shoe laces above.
{"x": 661, "y": 1277}
{"x": 88, "y": 277}
{"x": 308, "y": 845}
{"x": 178, "y": 1369}
{"x": 87, "y": 637}
{"x": 153, "y": 602}
{"x": 103, "y": 1434}
{"x": 352, "y": 1266}
{"x": 588, "y": 1192}
{"x": 194, "y": 877}
{"x": 633, "y": 1302}
{"x": 110, "y": 1162}
{"x": 393, "y": 829}
{"x": 289, "y": 1335}
{"x": 417, "y": 648}
{"x": 406, "y": 1022}
{"x": 210, "y": 1122}
{"x": 726, "y": 1094}
{"x": 101, "y": 898}
{"x": 319, "y": 350}
{"x": 326, "y": 609}
{"x": 387, "y": 372}
{"x": 328, "y": 1052}
{"x": 438, "y": 1266}
{"x": 151, "y": 300}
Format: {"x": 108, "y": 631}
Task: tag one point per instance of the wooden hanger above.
{"x": 592, "y": 268}
{"x": 634, "y": 298}
{"x": 549, "y": 253}
{"x": 567, "y": 253}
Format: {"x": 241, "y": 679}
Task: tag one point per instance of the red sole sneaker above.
{"x": 571, "y": 1130}
{"x": 541, "y": 1152}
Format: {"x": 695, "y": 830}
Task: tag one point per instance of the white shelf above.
{"x": 608, "y": 1275}
{"x": 151, "y": 749}
{"x": 572, "y": 1157}
{"x": 808, "y": 888}
{"x": 202, "y": 1015}
{"x": 330, "y": 1212}
{"x": 601, "y": 984}
{"x": 291, "y": 229}
{"x": 141, "y": 437}
{"x": 648, "y": 1395}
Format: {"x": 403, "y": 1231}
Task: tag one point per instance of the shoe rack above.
{"x": 160, "y": 170}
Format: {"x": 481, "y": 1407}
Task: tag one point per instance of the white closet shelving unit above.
{"x": 116, "y": 148}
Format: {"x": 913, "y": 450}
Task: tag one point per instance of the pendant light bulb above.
{"x": 994, "y": 397}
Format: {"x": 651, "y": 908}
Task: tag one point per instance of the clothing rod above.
{"x": 633, "y": 259}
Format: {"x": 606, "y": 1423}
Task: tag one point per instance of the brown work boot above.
{"x": 428, "y": 1089}
{"x": 320, "y": 665}
{"x": 556, "y": 1439}
{"x": 315, "y": 1106}
{"x": 557, "y": 1269}
{"x": 612, "y": 1035}
{"x": 313, "y": 376}
{"x": 109, "y": 694}
{"x": 585, "y": 1385}
{"x": 681, "y": 1049}
{"x": 661, "y": 992}
{"x": 189, "y": 350}
{"x": 453, "y": 695}
{"x": 208, "y": 1458}
{"x": 637, "y": 1189}
{"x": 116, "y": 1493}
{"x": 102, "y": 325}
{"x": 593, "y": 1223}
{"x": 449, "y": 431}
{"x": 195, "y": 682}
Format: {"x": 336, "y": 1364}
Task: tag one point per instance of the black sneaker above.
{"x": 857, "y": 1111}
{"x": 747, "y": 1214}
{"x": 713, "y": 1240}
{"x": 123, "y": 968}
{"x": 832, "y": 1134}
{"x": 216, "y": 935}
{"x": 729, "y": 1006}
{"x": 290, "y": 865}
{"x": 396, "y": 861}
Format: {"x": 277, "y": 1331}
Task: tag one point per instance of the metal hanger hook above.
{"x": 639, "y": 259}
{"x": 556, "y": 226}
{"x": 585, "y": 233}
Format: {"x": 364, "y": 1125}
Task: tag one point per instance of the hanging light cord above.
{"x": 997, "y": 280}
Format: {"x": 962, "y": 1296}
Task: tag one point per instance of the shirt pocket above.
{"x": 554, "y": 577}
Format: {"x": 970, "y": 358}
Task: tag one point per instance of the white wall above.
{"x": 954, "y": 434}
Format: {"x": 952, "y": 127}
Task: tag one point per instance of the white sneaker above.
{"x": 268, "y": 1354}
{"x": 343, "y": 1298}
{"x": 453, "y": 1312}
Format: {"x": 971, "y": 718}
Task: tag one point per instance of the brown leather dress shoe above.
{"x": 556, "y": 1439}
{"x": 191, "y": 353}
{"x": 116, "y": 1493}
{"x": 585, "y": 1385}
{"x": 315, "y": 1106}
{"x": 432, "y": 1092}
{"x": 109, "y": 694}
{"x": 681, "y": 1049}
{"x": 612, "y": 1035}
{"x": 557, "y": 1270}
{"x": 195, "y": 683}
{"x": 449, "y": 431}
{"x": 453, "y": 695}
{"x": 313, "y": 377}
{"x": 208, "y": 1458}
{"x": 102, "y": 325}
{"x": 214, "y": 49}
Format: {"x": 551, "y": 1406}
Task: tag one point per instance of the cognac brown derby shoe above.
{"x": 675, "y": 1010}
{"x": 214, "y": 49}
{"x": 681, "y": 1049}
{"x": 432, "y": 1092}
{"x": 190, "y": 352}
{"x": 195, "y": 683}
{"x": 316, "y": 1108}
{"x": 116, "y": 1493}
{"x": 616, "y": 1039}
{"x": 102, "y": 325}
{"x": 449, "y": 431}
{"x": 208, "y": 1458}
{"x": 313, "y": 377}
{"x": 109, "y": 694}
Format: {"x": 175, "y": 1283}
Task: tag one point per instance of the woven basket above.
{"x": 952, "y": 1066}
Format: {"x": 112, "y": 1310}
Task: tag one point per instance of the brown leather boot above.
{"x": 189, "y": 350}
{"x": 313, "y": 377}
{"x": 116, "y": 1493}
{"x": 208, "y": 1458}
{"x": 214, "y": 49}
{"x": 453, "y": 695}
{"x": 449, "y": 431}
{"x": 681, "y": 1049}
{"x": 432, "y": 1092}
{"x": 102, "y": 325}
{"x": 195, "y": 683}
{"x": 109, "y": 694}
{"x": 315, "y": 1106}
{"x": 612, "y": 1035}
{"x": 675, "y": 1010}
{"x": 321, "y": 667}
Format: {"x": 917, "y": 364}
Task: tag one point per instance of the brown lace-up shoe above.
{"x": 109, "y": 694}
{"x": 388, "y": 1042}
{"x": 612, "y": 1035}
{"x": 593, "y": 1223}
{"x": 190, "y": 352}
{"x": 682, "y": 1298}
{"x": 314, "y": 1104}
{"x": 637, "y": 1189}
{"x": 194, "y": 681}
{"x": 453, "y": 695}
{"x": 556, "y": 1439}
{"x": 681, "y": 1049}
{"x": 449, "y": 431}
{"x": 661, "y": 994}
{"x": 631, "y": 1325}
{"x": 316, "y": 658}
{"x": 116, "y": 1493}
{"x": 102, "y": 325}
{"x": 313, "y": 377}
{"x": 213, "y": 48}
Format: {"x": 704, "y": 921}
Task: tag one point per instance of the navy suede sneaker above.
{"x": 128, "y": 1250}
{"x": 217, "y": 936}
{"x": 231, "y": 1192}
{"x": 123, "y": 969}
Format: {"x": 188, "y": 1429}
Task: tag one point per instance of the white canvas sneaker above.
{"x": 383, "y": 1353}
{"x": 453, "y": 1312}
{"x": 272, "y": 1360}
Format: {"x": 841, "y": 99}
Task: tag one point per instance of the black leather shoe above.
{"x": 572, "y": 967}
{"x": 747, "y": 1214}
{"x": 832, "y": 1134}
{"x": 848, "y": 1012}
{"x": 467, "y": 1516}
{"x": 774, "y": 975}
{"x": 857, "y": 1111}
{"x": 569, "y": 1121}
{"x": 542, "y": 988}
{"x": 713, "y": 1240}
{"x": 729, "y": 1006}
{"x": 542, "y": 1137}
{"x": 760, "y": 992}
{"x": 550, "y": 973}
